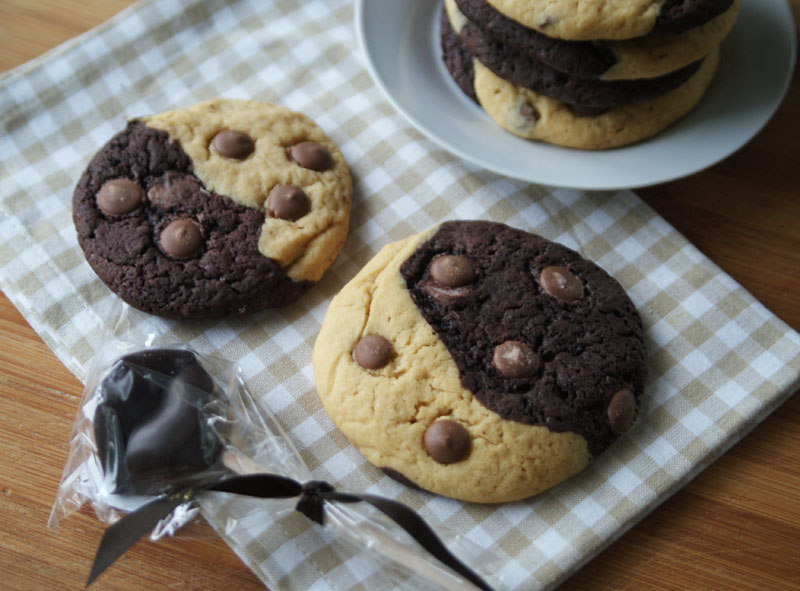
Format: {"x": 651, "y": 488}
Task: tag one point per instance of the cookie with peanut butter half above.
{"x": 480, "y": 362}
{"x": 229, "y": 206}
{"x": 563, "y": 110}
{"x": 590, "y": 20}
{"x": 649, "y": 56}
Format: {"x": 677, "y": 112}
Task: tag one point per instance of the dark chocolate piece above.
{"x": 588, "y": 349}
{"x": 373, "y": 352}
{"x": 181, "y": 238}
{"x": 150, "y": 425}
{"x": 447, "y": 441}
{"x": 233, "y": 144}
{"x": 288, "y": 202}
{"x": 311, "y": 155}
{"x": 119, "y": 196}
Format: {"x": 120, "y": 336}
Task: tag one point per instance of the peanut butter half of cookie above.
{"x": 228, "y": 206}
{"x": 481, "y": 362}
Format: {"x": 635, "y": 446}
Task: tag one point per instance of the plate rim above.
{"x": 765, "y": 114}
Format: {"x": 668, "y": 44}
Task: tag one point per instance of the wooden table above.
{"x": 735, "y": 527}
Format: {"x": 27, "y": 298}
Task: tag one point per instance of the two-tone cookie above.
{"x": 480, "y": 362}
{"x": 229, "y": 206}
{"x": 562, "y": 110}
{"x": 610, "y": 19}
{"x": 584, "y": 96}
{"x": 652, "y": 55}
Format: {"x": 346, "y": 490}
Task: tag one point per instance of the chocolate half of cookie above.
{"x": 540, "y": 335}
{"x": 228, "y": 206}
{"x": 584, "y": 59}
{"x": 165, "y": 244}
{"x": 586, "y": 97}
{"x": 594, "y": 58}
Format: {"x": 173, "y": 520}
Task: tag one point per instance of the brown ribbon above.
{"x": 313, "y": 495}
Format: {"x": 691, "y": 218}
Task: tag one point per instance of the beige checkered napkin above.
{"x": 719, "y": 361}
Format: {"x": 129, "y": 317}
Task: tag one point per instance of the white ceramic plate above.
{"x": 400, "y": 41}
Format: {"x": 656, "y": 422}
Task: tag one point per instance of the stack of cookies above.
{"x": 589, "y": 74}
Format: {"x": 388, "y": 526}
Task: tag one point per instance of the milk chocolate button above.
{"x": 560, "y": 283}
{"x": 447, "y": 441}
{"x": 515, "y": 359}
{"x": 181, "y": 238}
{"x": 622, "y": 410}
{"x": 452, "y": 270}
{"x": 288, "y": 202}
{"x": 311, "y": 155}
{"x": 233, "y": 144}
{"x": 373, "y": 352}
{"x": 119, "y": 196}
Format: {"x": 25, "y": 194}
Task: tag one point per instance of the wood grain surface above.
{"x": 735, "y": 527}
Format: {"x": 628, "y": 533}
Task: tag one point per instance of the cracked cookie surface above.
{"x": 484, "y": 386}
{"x": 226, "y": 207}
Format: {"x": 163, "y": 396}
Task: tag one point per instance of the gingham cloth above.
{"x": 719, "y": 361}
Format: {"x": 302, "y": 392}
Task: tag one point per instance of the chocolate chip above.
{"x": 373, "y": 352}
{"x": 233, "y": 144}
{"x": 622, "y": 410}
{"x": 157, "y": 195}
{"x": 452, "y": 270}
{"x": 181, "y": 238}
{"x": 447, "y": 441}
{"x": 311, "y": 155}
{"x": 288, "y": 202}
{"x": 515, "y": 359}
{"x": 559, "y": 283}
{"x": 119, "y": 196}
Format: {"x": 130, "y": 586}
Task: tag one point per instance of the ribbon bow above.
{"x": 313, "y": 495}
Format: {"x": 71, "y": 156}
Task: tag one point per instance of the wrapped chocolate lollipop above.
{"x": 162, "y": 429}
{"x": 152, "y": 424}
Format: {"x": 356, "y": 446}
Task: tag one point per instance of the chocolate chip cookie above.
{"x": 480, "y": 362}
{"x": 229, "y": 206}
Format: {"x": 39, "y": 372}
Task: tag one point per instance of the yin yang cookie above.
{"x": 480, "y": 362}
{"x": 609, "y": 19}
{"x": 228, "y": 206}
{"x": 536, "y": 101}
{"x": 649, "y": 56}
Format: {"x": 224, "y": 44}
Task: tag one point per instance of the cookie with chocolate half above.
{"x": 608, "y": 118}
{"x": 609, "y": 19}
{"x": 649, "y": 56}
{"x": 229, "y": 206}
{"x": 480, "y": 362}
